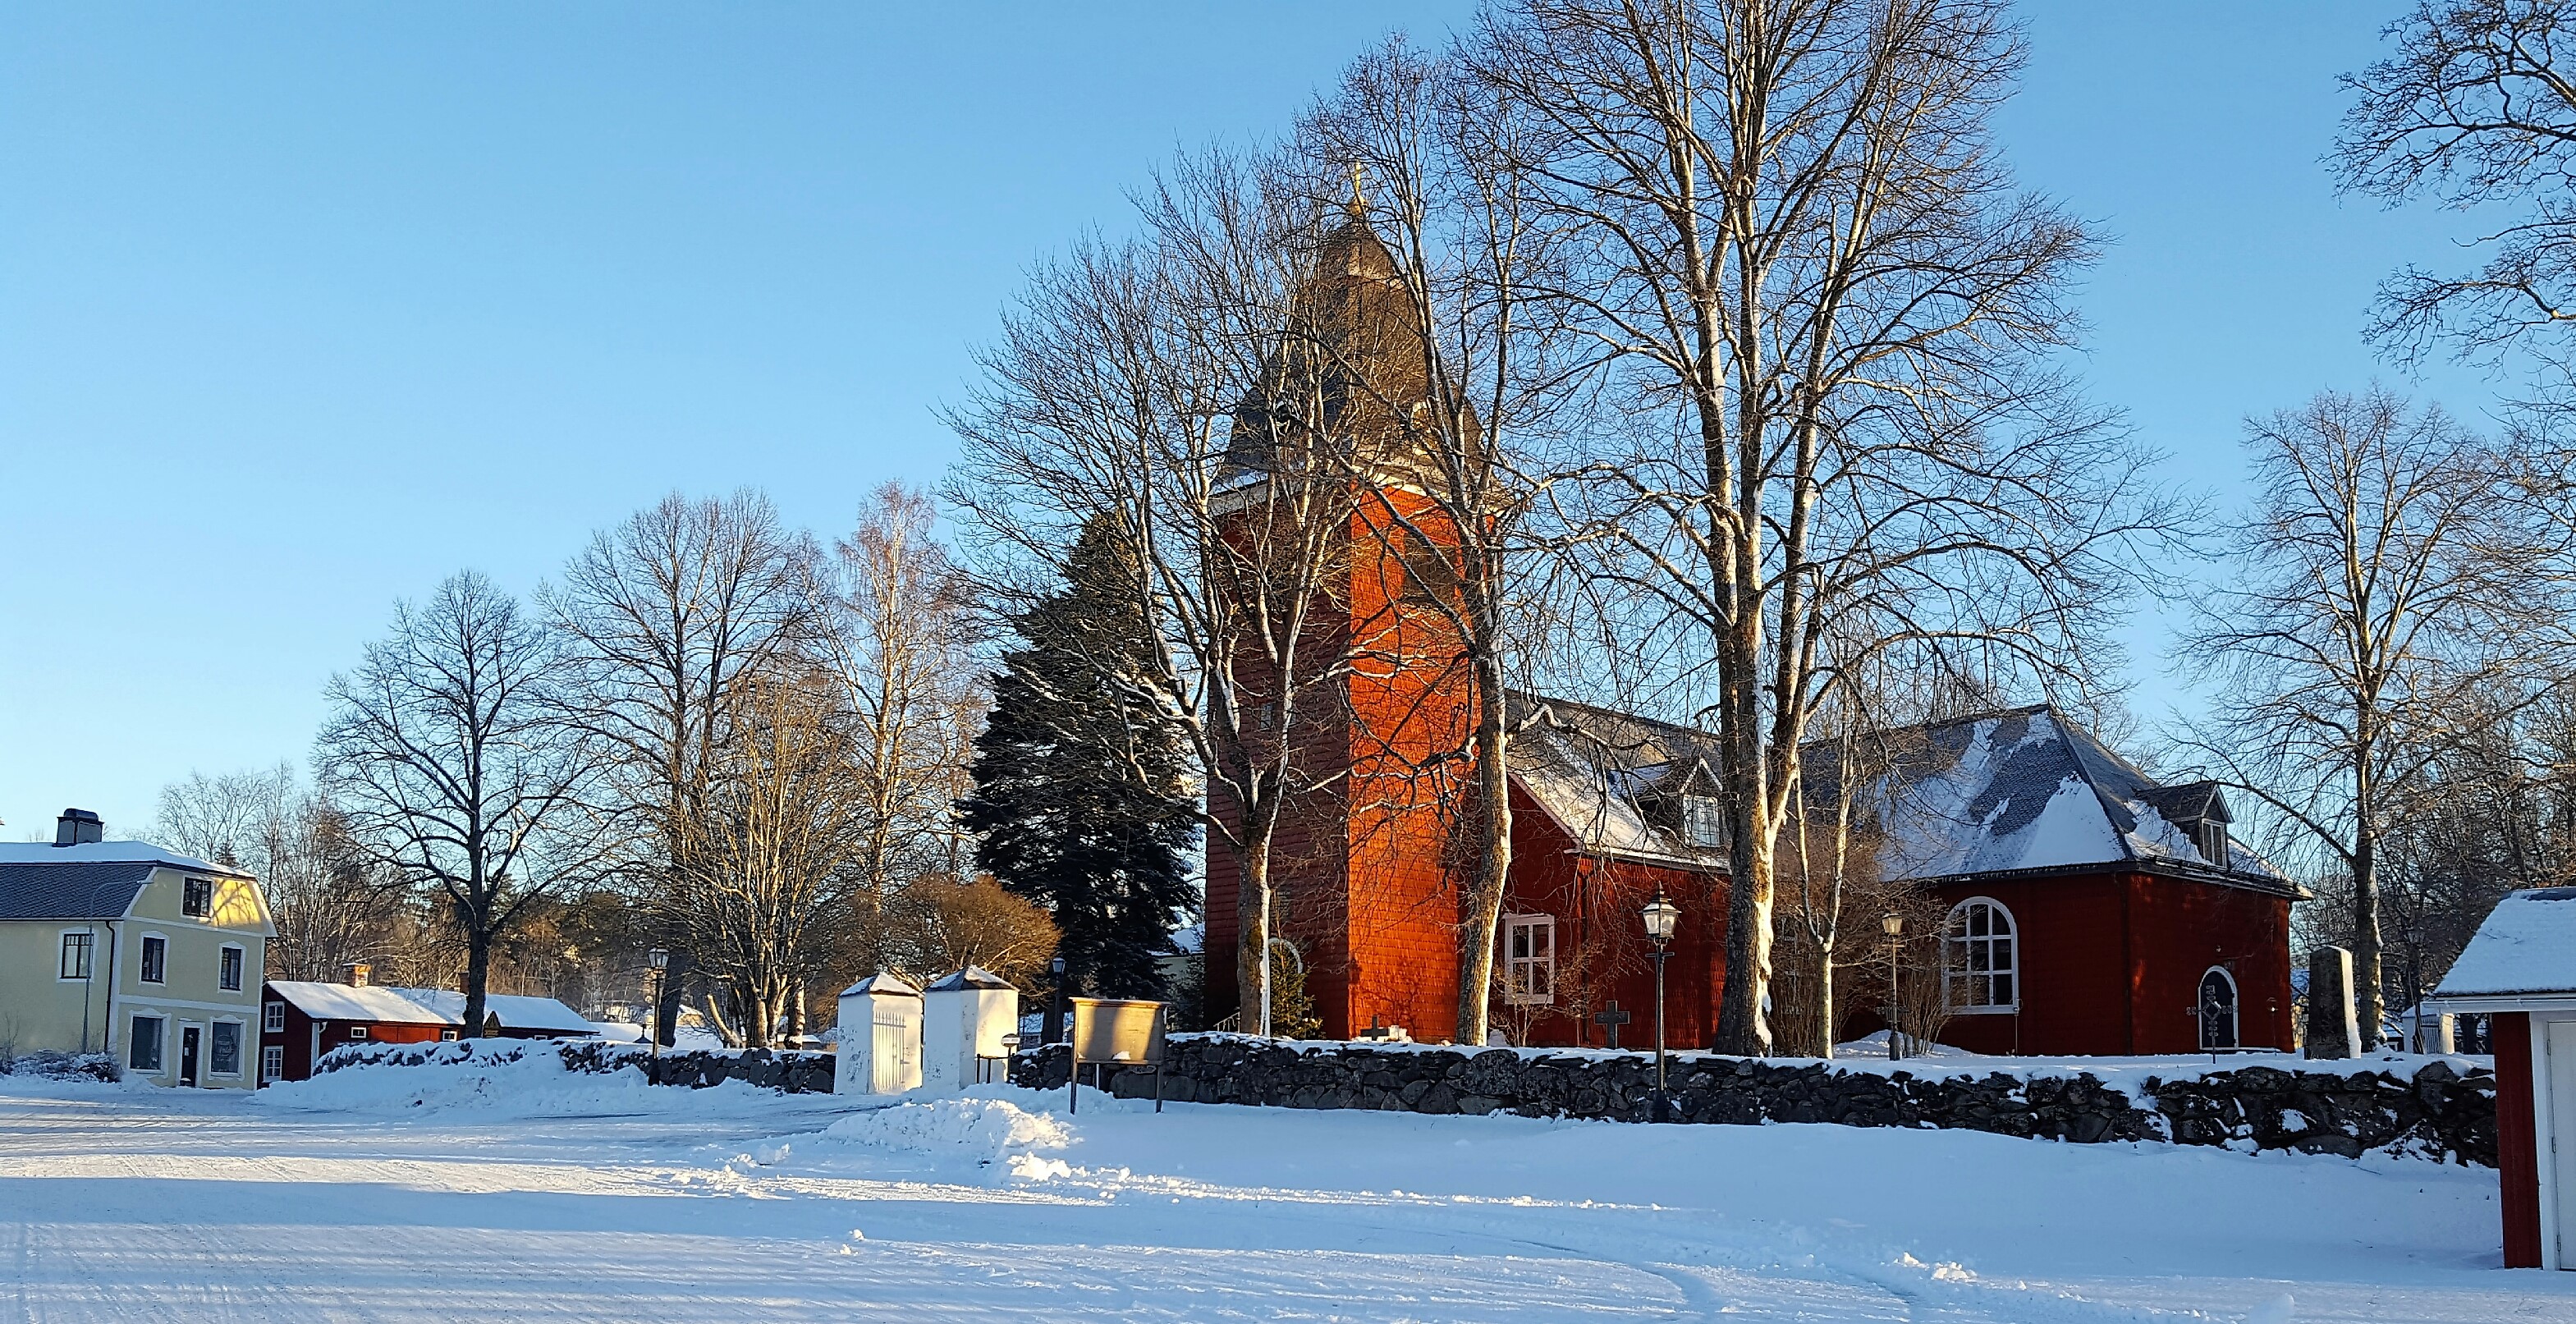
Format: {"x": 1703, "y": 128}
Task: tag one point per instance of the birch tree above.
{"x": 1834, "y": 313}
{"x": 900, "y": 645}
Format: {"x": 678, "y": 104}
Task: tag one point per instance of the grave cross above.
{"x": 1611, "y": 1020}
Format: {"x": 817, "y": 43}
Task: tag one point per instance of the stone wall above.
{"x": 787, "y": 1072}
{"x": 2433, "y": 1110}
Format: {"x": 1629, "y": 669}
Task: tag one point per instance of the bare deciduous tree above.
{"x": 2477, "y": 108}
{"x": 901, "y": 645}
{"x": 2393, "y": 568}
{"x": 448, "y": 752}
{"x": 1833, "y": 309}
{"x": 783, "y": 815}
{"x": 1146, "y": 384}
{"x": 666, "y": 613}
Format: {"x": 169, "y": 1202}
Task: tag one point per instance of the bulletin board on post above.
{"x": 1123, "y": 1032}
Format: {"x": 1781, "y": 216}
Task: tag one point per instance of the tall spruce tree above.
{"x": 1079, "y": 801}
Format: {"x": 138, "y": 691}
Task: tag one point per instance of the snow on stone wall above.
{"x": 2433, "y": 1109}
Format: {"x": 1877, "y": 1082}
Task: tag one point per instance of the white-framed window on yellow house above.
{"x": 223, "y": 1048}
{"x": 155, "y": 965}
{"x": 197, "y": 898}
{"x": 1529, "y": 960}
{"x": 228, "y": 972}
{"x": 143, "y": 1044}
{"x": 78, "y": 944}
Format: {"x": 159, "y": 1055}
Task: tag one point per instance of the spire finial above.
{"x": 1359, "y": 197}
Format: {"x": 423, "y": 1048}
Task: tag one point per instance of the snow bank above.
{"x": 981, "y": 1131}
{"x": 513, "y": 1077}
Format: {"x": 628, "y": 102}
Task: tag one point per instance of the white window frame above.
{"x": 89, "y": 956}
{"x": 143, "y": 972}
{"x": 187, "y": 883}
{"x": 445, "y": 1035}
{"x": 1959, "y": 949}
{"x": 2235, "y": 1009}
{"x": 1703, "y": 822}
{"x": 2209, "y": 837}
{"x": 1523, "y": 975}
{"x": 272, "y": 1062}
{"x": 361, "y": 1034}
{"x": 241, "y": 1042}
{"x": 162, "y": 1053}
{"x": 240, "y": 963}
{"x": 272, "y": 1018}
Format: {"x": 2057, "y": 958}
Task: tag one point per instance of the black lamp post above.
{"x": 1661, "y": 916}
{"x": 660, "y": 959}
{"x": 1893, "y": 925}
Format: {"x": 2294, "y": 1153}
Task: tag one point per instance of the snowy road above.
{"x": 642, "y": 1204}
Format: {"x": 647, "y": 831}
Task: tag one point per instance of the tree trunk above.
{"x": 1493, "y": 856}
{"x": 478, "y": 972}
{"x": 1252, "y": 942}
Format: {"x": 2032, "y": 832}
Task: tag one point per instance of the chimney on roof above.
{"x": 358, "y": 972}
{"x": 77, "y": 827}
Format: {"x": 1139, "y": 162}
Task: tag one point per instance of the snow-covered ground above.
{"x": 519, "y": 1192}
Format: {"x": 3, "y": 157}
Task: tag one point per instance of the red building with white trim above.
{"x": 300, "y": 1021}
{"x": 2090, "y": 910}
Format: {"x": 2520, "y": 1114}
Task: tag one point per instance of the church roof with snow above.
{"x": 2024, "y": 790}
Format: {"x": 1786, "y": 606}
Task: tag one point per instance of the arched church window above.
{"x": 1981, "y": 957}
{"x": 2217, "y": 1009}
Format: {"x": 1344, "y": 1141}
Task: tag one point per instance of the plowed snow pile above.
{"x": 514, "y": 1077}
{"x": 982, "y": 1131}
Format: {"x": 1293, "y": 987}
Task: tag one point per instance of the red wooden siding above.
{"x": 2517, "y": 1139}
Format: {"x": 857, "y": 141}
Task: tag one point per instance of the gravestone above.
{"x": 2332, "y": 1030}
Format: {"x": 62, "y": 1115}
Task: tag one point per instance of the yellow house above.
{"x": 124, "y": 948}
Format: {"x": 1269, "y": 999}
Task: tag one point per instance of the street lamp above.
{"x": 660, "y": 959}
{"x": 1893, "y": 925}
{"x": 1661, "y": 916}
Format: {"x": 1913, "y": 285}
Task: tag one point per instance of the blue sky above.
{"x": 304, "y": 307}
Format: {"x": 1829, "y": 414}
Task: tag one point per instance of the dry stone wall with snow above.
{"x": 2433, "y": 1110}
{"x": 787, "y": 1072}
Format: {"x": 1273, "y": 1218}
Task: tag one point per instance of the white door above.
{"x": 891, "y": 1047}
{"x": 2558, "y": 1148}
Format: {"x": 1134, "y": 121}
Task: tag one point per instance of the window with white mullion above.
{"x": 1529, "y": 960}
{"x": 1981, "y": 957}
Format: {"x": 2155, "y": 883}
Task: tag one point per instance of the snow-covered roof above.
{"x": 1998, "y": 792}
{"x": 516, "y": 1011}
{"x": 2526, "y": 949}
{"x": 109, "y": 852}
{"x": 1593, "y": 770}
{"x": 973, "y": 976}
{"x": 2028, "y": 789}
{"x": 350, "y": 1002}
{"x": 891, "y": 985}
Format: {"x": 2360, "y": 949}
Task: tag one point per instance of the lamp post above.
{"x": 1893, "y": 925}
{"x": 1661, "y": 915}
{"x": 660, "y": 959}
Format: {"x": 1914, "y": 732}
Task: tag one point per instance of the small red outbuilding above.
{"x": 300, "y": 1021}
{"x": 2520, "y": 970}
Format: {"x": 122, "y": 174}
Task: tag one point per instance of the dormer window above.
{"x": 197, "y": 898}
{"x": 1703, "y": 822}
{"x": 2210, "y": 835}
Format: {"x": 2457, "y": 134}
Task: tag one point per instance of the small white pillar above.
{"x": 964, "y": 1017}
{"x": 880, "y": 1048}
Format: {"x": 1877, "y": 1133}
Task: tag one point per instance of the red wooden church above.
{"x": 2090, "y": 910}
